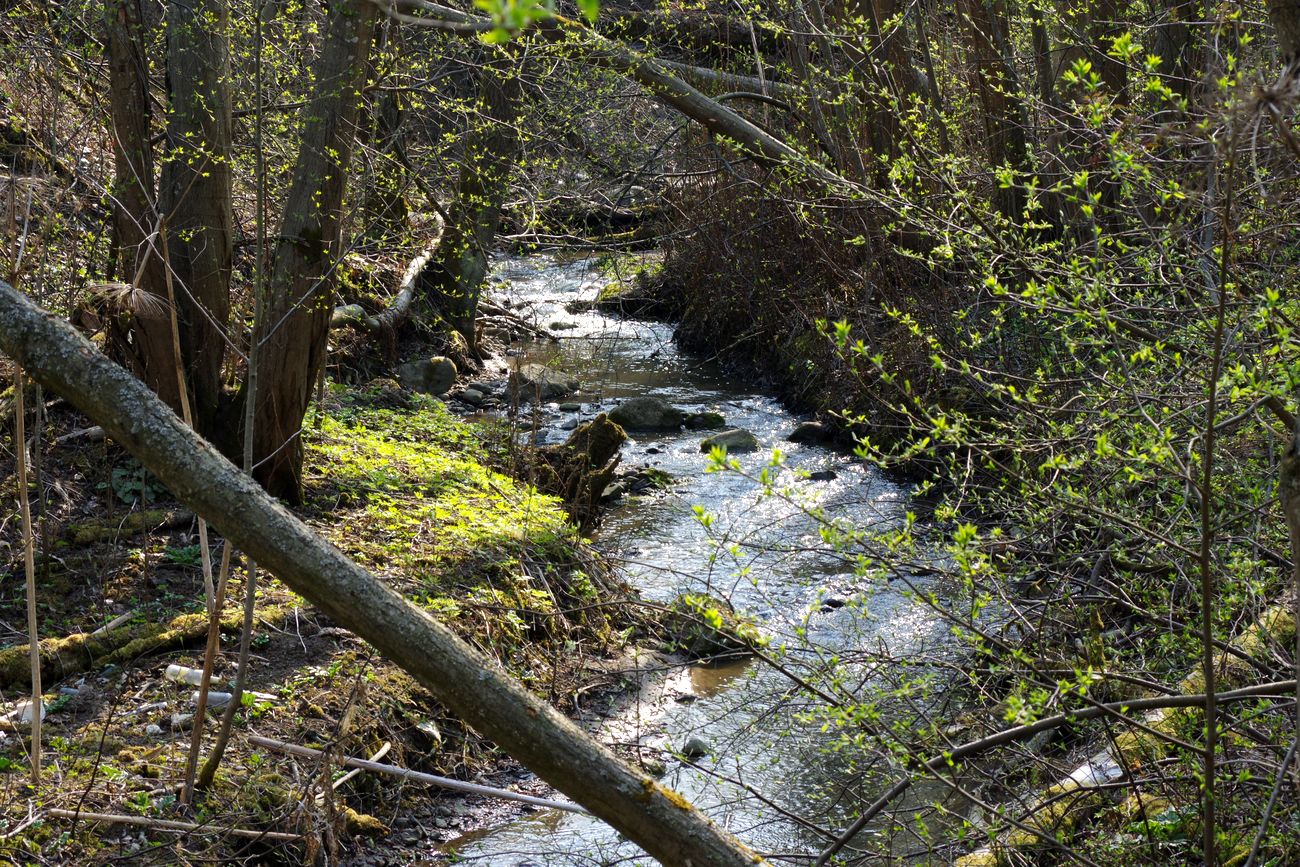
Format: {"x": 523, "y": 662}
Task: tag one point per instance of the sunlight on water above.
{"x": 763, "y": 553}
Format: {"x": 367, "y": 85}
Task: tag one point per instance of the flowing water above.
{"x": 764, "y": 553}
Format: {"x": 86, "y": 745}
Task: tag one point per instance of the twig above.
{"x": 36, "y": 707}
{"x": 374, "y": 757}
{"x": 394, "y": 771}
{"x": 114, "y": 623}
{"x": 172, "y": 825}
{"x": 948, "y": 758}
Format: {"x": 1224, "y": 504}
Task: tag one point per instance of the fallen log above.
{"x": 399, "y": 310}
{"x": 661, "y": 821}
{"x": 86, "y": 651}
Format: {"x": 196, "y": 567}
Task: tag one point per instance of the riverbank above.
{"x": 1062, "y": 447}
{"x": 399, "y": 484}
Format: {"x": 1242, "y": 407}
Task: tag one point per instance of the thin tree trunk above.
{"x": 37, "y": 702}
{"x": 457, "y": 273}
{"x": 996, "y": 87}
{"x": 291, "y": 342}
{"x": 195, "y": 194}
{"x": 469, "y": 684}
{"x": 139, "y": 332}
{"x": 1044, "y": 68}
{"x": 386, "y": 210}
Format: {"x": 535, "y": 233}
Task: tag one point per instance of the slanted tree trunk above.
{"x": 470, "y": 685}
{"x": 195, "y": 194}
{"x": 491, "y": 147}
{"x": 139, "y": 325}
{"x": 290, "y": 343}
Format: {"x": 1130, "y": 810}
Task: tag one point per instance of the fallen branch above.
{"x": 81, "y": 652}
{"x": 94, "y": 434}
{"x": 172, "y": 825}
{"x": 488, "y": 311}
{"x": 374, "y": 757}
{"x": 399, "y": 309}
{"x": 134, "y": 523}
{"x": 407, "y": 774}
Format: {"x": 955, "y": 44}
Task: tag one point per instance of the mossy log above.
{"x": 131, "y": 524}
{"x": 85, "y": 651}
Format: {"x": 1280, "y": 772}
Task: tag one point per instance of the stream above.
{"x": 764, "y": 553}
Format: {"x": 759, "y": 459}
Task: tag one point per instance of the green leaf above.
{"x": 590, "y": 9}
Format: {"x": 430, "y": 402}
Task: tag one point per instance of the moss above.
{"x": 63, "y": 657}
{"x": 650, "y": 789}
{"x": 362, "y": 825}
{"x": 612, "y": 291}
{"x": 133, "y": 523}
{"x": 1062, "y": 808}
{"x": 706, "y": 421}
{"x": 420, "y": 500}
{"x": 411, "y": 492}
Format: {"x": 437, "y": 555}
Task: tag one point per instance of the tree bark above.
{"x": 660, "y": 821}
{"x": 139, "y": 324}
{"x": 195, "y": 194}
{"x": 290, "y": 344}
{"x": 998, "y": 92}
{"x": 491, "y": 148}
{"x": 1285, "y": 15}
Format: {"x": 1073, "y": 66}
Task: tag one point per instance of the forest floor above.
{"x": 403, "y": 487}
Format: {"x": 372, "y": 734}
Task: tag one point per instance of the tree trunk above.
{"x": 290, "y": 344}
{"x": 139, "y": 324}
{"x": 1102, "y": 27}
{"x": 1044, "y": 66}
{"x": 385, "y": 207}
{"x": 491, "y": 147}
{"x": 998, "y": 91}
{"x": 195, "y": 194}
{"x": 1285, "y": 15}
{"x": 659, "y": 820}
{"x": 894, "y": 71}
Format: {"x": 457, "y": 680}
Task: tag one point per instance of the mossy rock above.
{"x": 362, "y": 824}
{"x": 704, "y": 628}
{"x": 735, "y": 441}
{"x": 706, "y": 421}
